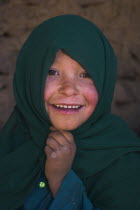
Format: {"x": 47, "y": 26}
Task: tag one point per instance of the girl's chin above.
{"x": 65, "y": 127}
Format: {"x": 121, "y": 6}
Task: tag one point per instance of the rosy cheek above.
{"x": 50, "y": 88}
{"x": 47, "y": 90}
{"x": 45, "y": 94}
{"x": 92, "y": 96}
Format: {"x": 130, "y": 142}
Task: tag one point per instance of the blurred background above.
{"x": 118, "y": 19}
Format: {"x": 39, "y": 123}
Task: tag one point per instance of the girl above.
{"x": 61, "y": 147}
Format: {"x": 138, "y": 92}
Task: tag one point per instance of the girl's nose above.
{"x": 68, "y": 87}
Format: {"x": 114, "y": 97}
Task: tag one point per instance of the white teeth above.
{"x": 67, "y": 107}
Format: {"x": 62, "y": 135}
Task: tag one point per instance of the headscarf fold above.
{"x": 102, "y": 139}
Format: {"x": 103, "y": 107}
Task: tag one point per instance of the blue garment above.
{"x": 70, "y": 196}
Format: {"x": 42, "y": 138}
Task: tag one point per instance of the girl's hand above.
{"x": 60, "y": 151}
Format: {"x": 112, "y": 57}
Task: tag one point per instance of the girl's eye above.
{"x": 52, "y": 72}
{"x": 86, "y": 75}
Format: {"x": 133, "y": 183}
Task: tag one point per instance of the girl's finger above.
{"x": 59, "y": 137}
{"x": 50, "y": 152}
{"x": 51, "y": 142}
{"x": 52, "y": 128}
{"x": 68, "y": 136}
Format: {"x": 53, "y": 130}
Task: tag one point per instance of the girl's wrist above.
{"x": 54, "y": 185}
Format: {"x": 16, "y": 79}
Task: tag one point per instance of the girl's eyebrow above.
{"x": 53, "y": 68}
{"x": 56, "y": 66}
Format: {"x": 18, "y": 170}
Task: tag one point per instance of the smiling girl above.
{"x": 70, "y": 94}
{"x": 61, "y": 147}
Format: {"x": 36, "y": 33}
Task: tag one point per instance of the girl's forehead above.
{"x": 61, "y": 56}
{"x": 63, "y": 59}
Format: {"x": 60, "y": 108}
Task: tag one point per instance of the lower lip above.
{"x": 67, "y": 111}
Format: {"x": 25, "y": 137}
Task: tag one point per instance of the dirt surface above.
{"x": 119, "y": 20}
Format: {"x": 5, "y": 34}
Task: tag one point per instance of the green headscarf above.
{"x": 102, "y": 139}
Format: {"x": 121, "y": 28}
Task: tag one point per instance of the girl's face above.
{"x": 70, "y": 95}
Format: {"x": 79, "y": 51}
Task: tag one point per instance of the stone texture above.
{"x": 119, "y": 20}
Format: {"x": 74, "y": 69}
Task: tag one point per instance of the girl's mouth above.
{"x": 67, "y": 109}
